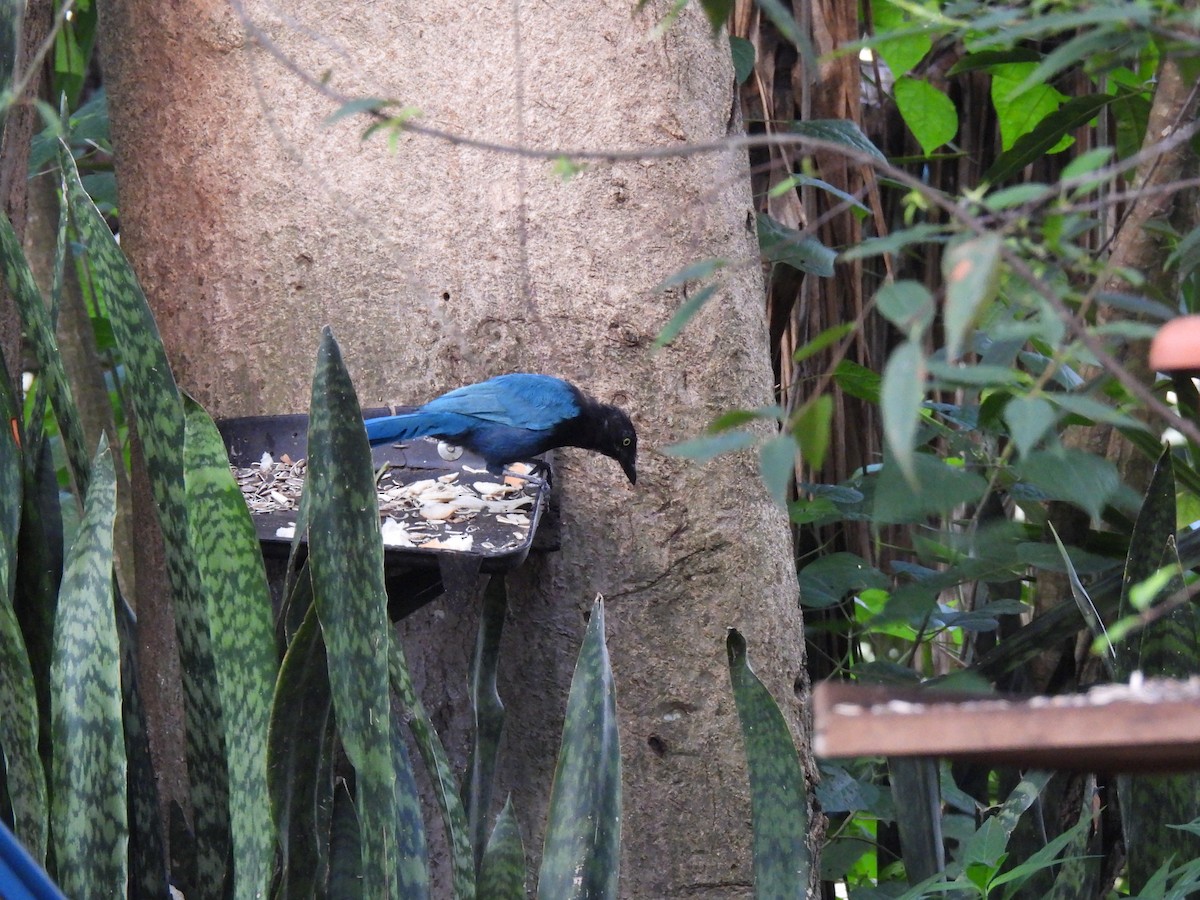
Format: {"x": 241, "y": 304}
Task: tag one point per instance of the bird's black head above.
{"x": 617, "y": 438}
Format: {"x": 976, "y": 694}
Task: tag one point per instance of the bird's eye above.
{"x": 625, "y": 442}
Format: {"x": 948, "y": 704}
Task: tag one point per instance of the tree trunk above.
{"x": 252, "y": 222}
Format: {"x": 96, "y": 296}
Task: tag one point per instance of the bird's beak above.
{"x": 630, "y": 470}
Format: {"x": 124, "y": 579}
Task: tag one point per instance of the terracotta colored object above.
{"x": 1176, "y": 347}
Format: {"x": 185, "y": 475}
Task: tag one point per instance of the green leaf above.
{"x": 858, "y": 381}
{"x": 803, "y": 252}
{"x": 160, "y": 425}
{"x": 581, "y": 856}
{"x": 1074, "y": 476}
{"x": 812, "y": 427}
{"x": 971, "y": 269}
{"x": 777, "y": 463}
{"x": 1028, "y": 420}
{"x": 826, "y": 338}
{"x": 23, "y": 777}
{"x": 345, "y": 848}
{"x": 906, "y": 304}
{"x": 900, "y": 53}
{"x": 1050, "y": 134}
{"x": 1095, "y": 410}
{"x": 502, "y": 873}
{"x": 915, "y": 785}
{"x": 703, "y": 449}
{"x": 743, "y": 58}
{"x": 778, "y": 805}
{"x": 488, "y": 711}
{"x": 89, "y": 820}
{"x": 829, "y": 579}
{"x": 837, "y": 131}
{"x": 894, "y": 242}
{"x": 697, "y": 271}
{"x": 929, "y": 114}
{"x": 938, "y": 488}
{"x": 441, "y": 772}
{"x": 40, "y": 332}
{"x": 900, "y": 397}
{"x": 1018, "y": 114}
{"x": 781, "y": 17}
{"x": 346, "y": 560}
{"x": 234, "y": 586}
{"x": 684, "y": 314}
{"x": 299, "y": 762}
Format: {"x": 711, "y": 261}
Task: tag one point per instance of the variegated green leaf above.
{"x": 39, "y": 330}
{"x": 412, "y": 854}
{"x": 345, "y": 848}
{"x": 160, "y": 425}
{"x": 346, "y": 560}
{"x": 23, "y": 775}
{"x": 441, "y": 773}
{"x": 502, "y": 872}
{"x": 89, "y": 818}
{"x": 581, "y": 856}
{"x": 234, "y": 586}
{"x": 777, "y": 789}
{"x": 299, "y": 762}
{"x": 488, "y": 712}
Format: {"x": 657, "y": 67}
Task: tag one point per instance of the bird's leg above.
{"x": 538, "y": 473}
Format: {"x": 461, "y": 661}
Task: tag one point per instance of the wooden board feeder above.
{"x": 1150, "y": 725}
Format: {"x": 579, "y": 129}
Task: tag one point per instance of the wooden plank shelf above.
{"x": 1150, "y": 725}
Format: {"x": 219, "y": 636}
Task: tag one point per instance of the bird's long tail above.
{"x": 414, "y": 425}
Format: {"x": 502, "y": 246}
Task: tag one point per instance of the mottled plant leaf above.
{"x": 39, "y": 331}
{"x": 1168, "y": 648}
{"x": 299, "y": 770}
{"x": 441, "y": 773}
{"x": 88, "y": 815}
{"x": 160, "y": 424}
{"x": 502, "y": 872}
{"x": 581, "y": 856}
{"x": 915, "y": 792}
{"x": 778, "y": 809}
{"x": 22, "y": 776}
{"x": 346, "y": 561}
{"x": 234, "y": 586}
{"x": 412, "y": 853}
{"x": 488, "y": 711}
{"x": 345, "y": 848}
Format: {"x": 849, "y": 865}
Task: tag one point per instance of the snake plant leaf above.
{"x": 488, "y": 712}
{"x": 299, "y": 761}
{"x": 581, "y": 855}
{"x": 346, "y": 561}
{"x": 160, "y": 426}
{"x": 345, "y": 848}
{"x": 1168, "y": 647}
{"x": 23, "y": 776}
{"x": 778, "y": 808}
{"x": 441, "y": 773}
{"x": 412, "y": 854}
{"x": 234, "y": 586}
{"x": 88, "y": 814}
{"x": 918, "y": 815}
{"x": 39, "y": 330}
{"x": 502, "y": 871}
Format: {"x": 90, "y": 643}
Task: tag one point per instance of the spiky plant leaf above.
{"x": 160, "y": 425}
{"x": 346, "y": 561}
{"x": 581, "y": 855}
{"x": 488, "y": 711}
{"x": 502, "y": 871}
{"x": 441, "y": 773}
{"x": 777, "y": 788}
{"x": 89, "y": 819}
{"x": 234, "y": 586}
{"x": 23, "y": 775}
{"x": 299, "y": 761}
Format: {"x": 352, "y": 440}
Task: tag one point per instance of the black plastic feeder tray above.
{"x": 496, "y": 544}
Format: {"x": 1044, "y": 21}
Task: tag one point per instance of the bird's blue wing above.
{"x": 520, "y": 400}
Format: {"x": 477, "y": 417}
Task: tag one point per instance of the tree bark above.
{"x": 252, "y": 222}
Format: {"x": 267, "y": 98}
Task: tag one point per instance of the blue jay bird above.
{"x": 516, "y": 417}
